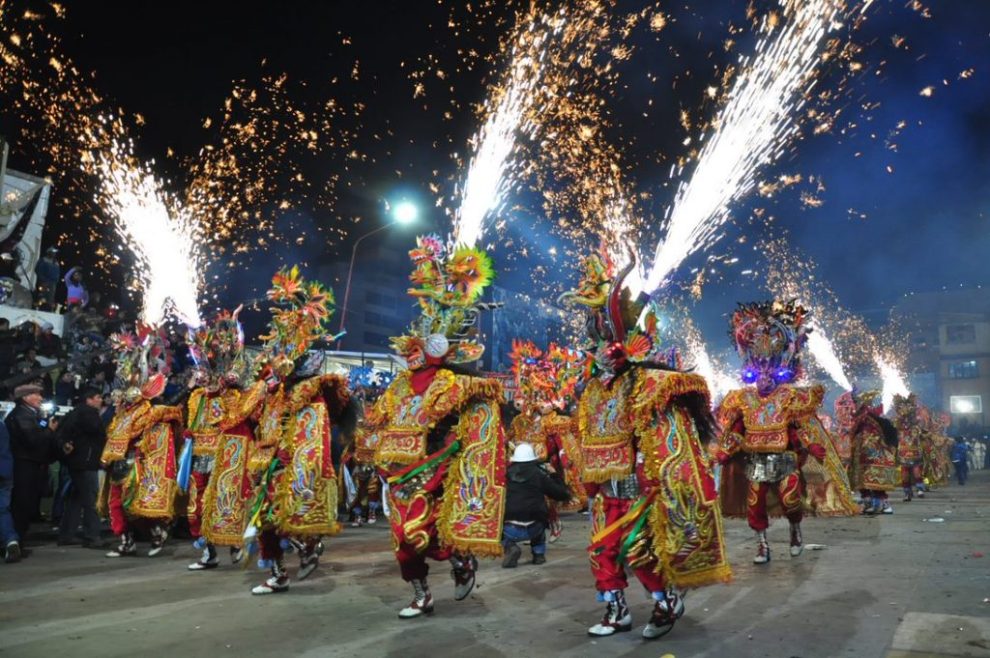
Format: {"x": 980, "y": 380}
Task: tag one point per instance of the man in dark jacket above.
{"x": 83, "y": 435}
{"x": 32, "y": 443}
{"x": 8, "y": 536}
{"x": 529, "y": 484}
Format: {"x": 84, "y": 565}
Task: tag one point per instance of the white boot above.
{"x": 278, "y": 582}
{"x": 763, "y": 548}
{"x": 126, "y": 546}
{"x": 667, "y": 609}
{"x": 797, "y": 545}
{"x": 208, "y": 560}
{"x": 617, "y": 618}
{"x": 422, "y": 603}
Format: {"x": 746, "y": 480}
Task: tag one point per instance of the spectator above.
{"x": 77, "y": 296}
{"x": 65, "y": 388}
{"x": 32, "y": 444}
{"x": 8, "y": 536}
{"x": 48, "y": 343}
{"x": 48, "y": 272}
{"x": 8, "y": 349}
{"x": 529, "y": 485}
{"x": 99, "y": 382}
{"x": 28, "y": 361}
{"x": 960, "y": 460}
{"x": 82, "y": 436}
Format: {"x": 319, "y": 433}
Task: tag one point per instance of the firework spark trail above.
{"x": 824, "y": 353}
{"x": 161, "y": 234}
{"x": 893, "y": 382}
{"x": 488, "y": 178}
{"x": 751, "y": 131}
{"x": 719, "y": 382}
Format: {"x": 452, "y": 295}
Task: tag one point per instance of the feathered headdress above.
{"x": 218, "y": 349}
{"x": 770, "y": 335}
{"x": 447, "y": 283}
{"x": 299, "y": 316}
{"x": 618, "y": 339}
{"x": 549, "y": 377}
{"x": 143, "y": 363}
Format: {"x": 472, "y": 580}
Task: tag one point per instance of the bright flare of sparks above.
{"x": 821, "y": 348}
{"x": 160, "y": 234}
{"x": 893, "y": 382}
{"x": 751, "y": 132}
{"x": 488, "y": 179}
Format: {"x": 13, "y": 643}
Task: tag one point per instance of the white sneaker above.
{"x": 887, "y": 509}
{"x": 202, "y": 565}
{"x": 272, "y": 586}
{"x": 422, "y": 603}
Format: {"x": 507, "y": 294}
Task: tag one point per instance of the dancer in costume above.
{"x": 771, "y": 427}
{"x": 219, "y": 412}
{"x": 909, "y": 436}
{"x": 544, "y": 389}
{"x": 361, "y": 485}
{"x": 140, "y": 453}
{"x": 295, "y": 501}
{"x": 643, "y": 428}
{"x": 438, "y": 436}
{"x": 873, "y": 467}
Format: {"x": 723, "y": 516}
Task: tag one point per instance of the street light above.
{"x": 404, "y": 212}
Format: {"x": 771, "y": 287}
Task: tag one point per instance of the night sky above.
{"x": 877, "y": 236}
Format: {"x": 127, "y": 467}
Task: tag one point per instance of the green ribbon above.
{"x": 263, "y": 489}
{"x": 431, "y": 461}
{"x": 133, "y": 488}
{"x": 631, "y": 537}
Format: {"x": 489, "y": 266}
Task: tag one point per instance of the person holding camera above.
{"x": 33, "y": 446}
{"x": 529, "y": 483}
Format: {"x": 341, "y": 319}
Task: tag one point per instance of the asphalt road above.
{"x": 892, "y": 586}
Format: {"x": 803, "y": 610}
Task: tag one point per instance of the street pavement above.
{"x": 895, "y": 586}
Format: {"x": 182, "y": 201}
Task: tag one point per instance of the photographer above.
{"x": 32, "y": 443}
{"x": 529, "y": 484}
{"x": 82, "y": 436}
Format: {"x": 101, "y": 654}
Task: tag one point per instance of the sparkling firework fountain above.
{"x": 160, "y": 233}
{"x": 893, "y": 382}
{"x": 751, "y": 131}
{"x": 488, "y": 178}
{"x": 822, "y": 350}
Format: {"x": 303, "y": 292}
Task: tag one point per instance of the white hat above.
{"x": 523, "y": 453}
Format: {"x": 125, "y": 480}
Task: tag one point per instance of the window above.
{"x": 960, "y": 334}
{"x": 380, "y": 319}
{"x": 966, "y": 404}
{"x": 963, "y": 370}
{"x": 380, "y": 299}
{"x": 376, "y": 339}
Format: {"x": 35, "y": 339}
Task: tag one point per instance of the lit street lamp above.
{"x": 404, "y": 212}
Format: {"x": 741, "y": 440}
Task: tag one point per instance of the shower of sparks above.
{"x": 719, "y": 381}
{"x": 488, "y": 178}
{"x": 160, "y": 233}
{"x": 821, "y": 349}
{"x": 751, "y": 131}
{"x": 893, "y": 382}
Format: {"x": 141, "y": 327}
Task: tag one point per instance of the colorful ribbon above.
{"x": 415, "y": 469}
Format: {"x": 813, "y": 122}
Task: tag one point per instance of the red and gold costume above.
{"x": 909, "y": 445}
{"x": 643, "y": 426}
{"x": 544, "y": 389}
{"x": 873, "y": 466}
{"x": 140, "y": 452}
{"x": 219, "y": 427}
{"x": 936, "y": 466}
{"x": 437, "y": 431}
{"x": 295, "y": 497}
{"x": 768, "y": 430}
{"x": 363, "y": 492}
